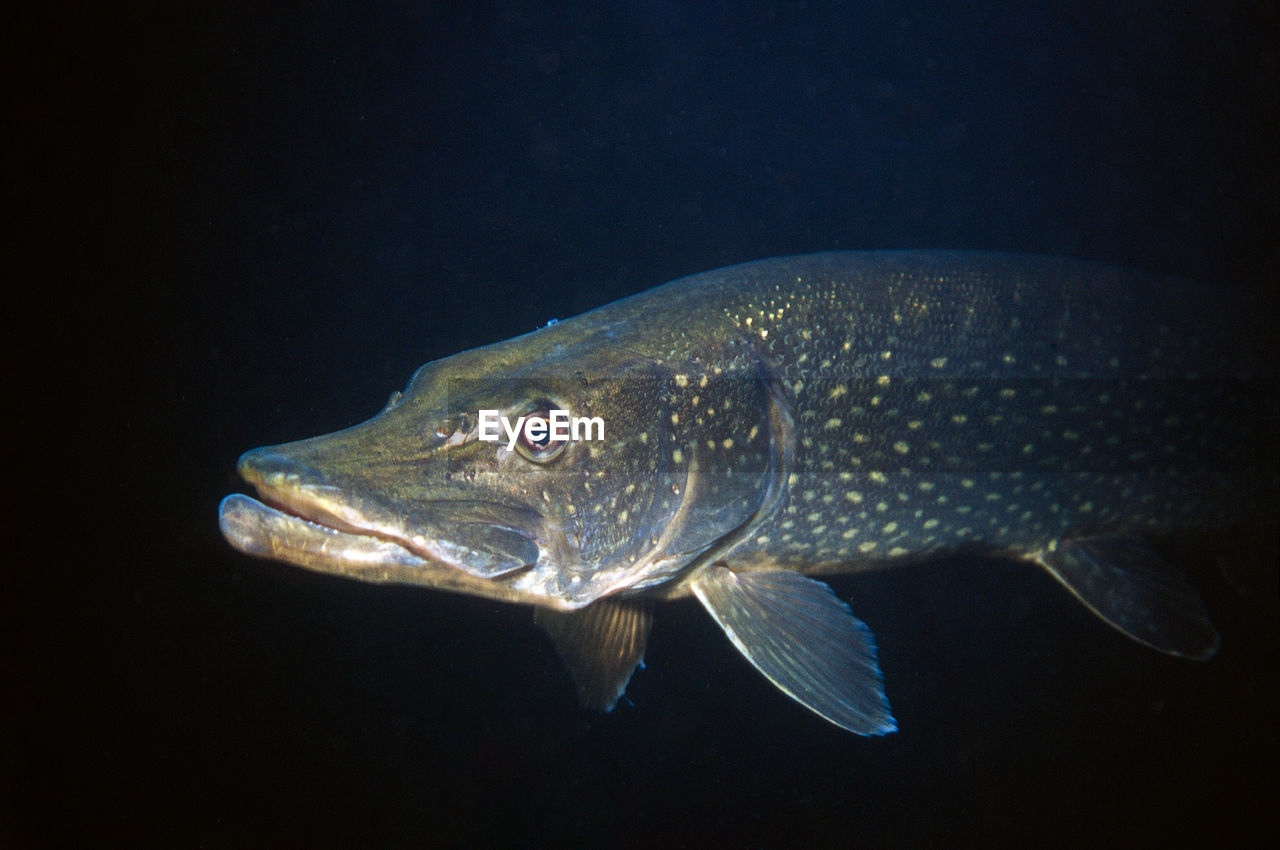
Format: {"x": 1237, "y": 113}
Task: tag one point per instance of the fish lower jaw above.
{"x": 265, "y": 530}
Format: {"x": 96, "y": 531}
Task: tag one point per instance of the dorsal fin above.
{"x": 806, "y": 641}
{"x": 601, "y": 645}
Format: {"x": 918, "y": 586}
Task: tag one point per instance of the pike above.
{"x": 784, "y": 419}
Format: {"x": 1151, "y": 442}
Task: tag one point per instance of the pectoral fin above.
{"x": 797, "y": 633}
{"x": 601, "y": 645}
{"x": 1126, "y": 582}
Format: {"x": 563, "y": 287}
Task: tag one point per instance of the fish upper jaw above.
{"x": 286, "y": 487}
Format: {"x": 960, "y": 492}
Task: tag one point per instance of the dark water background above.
{"x": 244, "y": 223}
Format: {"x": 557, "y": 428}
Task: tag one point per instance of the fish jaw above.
{"x": 318, "y": 527}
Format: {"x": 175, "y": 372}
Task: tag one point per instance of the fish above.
{"x": 770, "y": 423}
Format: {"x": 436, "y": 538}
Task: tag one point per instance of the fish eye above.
{"x": 541, "y": 448}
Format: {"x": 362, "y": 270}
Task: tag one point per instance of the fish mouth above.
{"x": 259, "y": 529}
{"x": 300, "y": 518}
{"x": 300, "y": 521}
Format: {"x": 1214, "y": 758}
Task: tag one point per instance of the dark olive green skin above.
{"x": 824, "y": 413}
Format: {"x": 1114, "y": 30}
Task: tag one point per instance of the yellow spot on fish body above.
{"x": 901, "y": 447}
{"x": 850, "y": 533}
{"x": 924, "y": 397}
{"x": 854, "y": 496}
{"x": 675, "y": 418}
{"x": 860, "y": 438}
{"x": 683, "y": 380}
{"x": 832, "y": 424}
{"x": 915, "y": 424}
{"x": 938, "y": 362}
{"x": 1008, "y": 392}
{"x": 866, "y": 546}
{"x": 877, "y": 476}
{"x": 882, "y": 381}
{"x": 677, "y": 456}
{"x": 1009, "y": 359}
{"x": 898, "y": 551}
{"x": 959, "y": 418}
{"x": 838, "y": 391}
{"x": 755, "y": 429}
{"x": 890, "y": 527}
{"x": 728, "y": 442}
{"x": 931, "y": 523}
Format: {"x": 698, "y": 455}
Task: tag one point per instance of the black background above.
{"x": 238, "y": 224}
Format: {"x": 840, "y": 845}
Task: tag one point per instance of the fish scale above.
{"x": 1008, "y": 406}
{"x": 783, "y": 419}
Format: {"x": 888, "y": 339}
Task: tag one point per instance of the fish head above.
{"x": 436, "y": 491}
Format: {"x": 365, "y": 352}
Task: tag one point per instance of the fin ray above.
{"x": 601, "y": 644}
{"x": 1123, "y": 580}
{"x": 804, "y": 640}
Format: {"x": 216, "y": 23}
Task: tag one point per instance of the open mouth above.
{"x": 307, "y": 524}
{"x": 299, "y": 520}
{"x": 260, "y": 529}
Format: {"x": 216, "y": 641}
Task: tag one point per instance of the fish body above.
{"x": 774, "y": 421}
